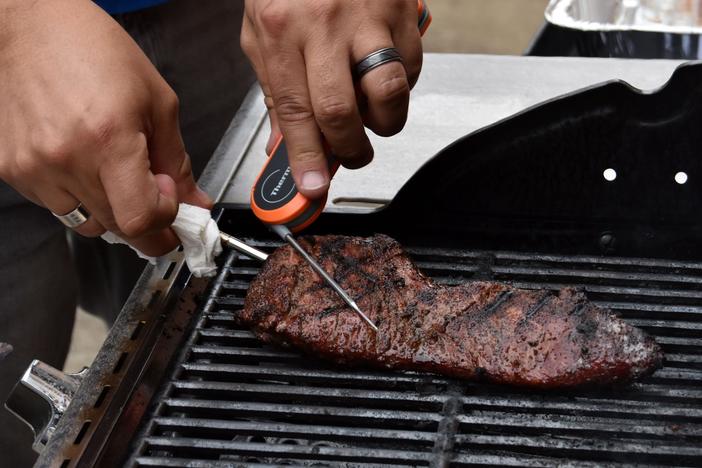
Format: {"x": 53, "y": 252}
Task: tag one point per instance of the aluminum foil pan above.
{"x": 664, "y": 16}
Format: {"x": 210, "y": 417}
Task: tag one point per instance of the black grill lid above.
{"x": 536, "y": 180}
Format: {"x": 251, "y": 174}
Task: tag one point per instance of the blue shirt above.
{"x": 123, "y": 6}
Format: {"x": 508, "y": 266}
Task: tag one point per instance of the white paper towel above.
{"x": 199, "y": 235}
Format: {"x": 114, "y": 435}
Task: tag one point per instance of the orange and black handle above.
{"x": 274, "y": 196}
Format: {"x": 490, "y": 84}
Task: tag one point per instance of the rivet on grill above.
{"x": 607, "y": 241}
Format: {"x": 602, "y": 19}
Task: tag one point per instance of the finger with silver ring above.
{"x": 73, "y": 214}
{"x": 384, "y": 82}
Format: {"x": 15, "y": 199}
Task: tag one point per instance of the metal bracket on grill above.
{"x": 41, "y": 397}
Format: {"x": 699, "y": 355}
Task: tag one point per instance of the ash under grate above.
{"x": 232, "y": 401}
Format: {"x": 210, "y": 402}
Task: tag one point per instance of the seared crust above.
{"x": 483, "y": 330}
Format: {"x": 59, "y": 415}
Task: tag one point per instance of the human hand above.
{"x": 87, "y": 119}
{"x": 304, "y": 52}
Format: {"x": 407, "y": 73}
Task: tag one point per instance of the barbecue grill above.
{"x": 524, "y": 201}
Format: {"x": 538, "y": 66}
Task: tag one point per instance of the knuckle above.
{"x": 393, "y": 90}
{"x": 185, "y": 170}
{"x": 162, "y": 248}
{"x": 292, "y": 108}
{"x": 306, "y": 157}
{"x": 56, "y": 152}
{"x": 414, "y": 69}
{"x": 102, "y": 130}
{"x": 171, "y": 103}
{"x": 403, "y": 6}
{"x": 388, "y": 129}
{"x": 274, "y": 17}
{"x": 140, "y": 224}
{"x": 27, "y": 165}
{"x": 111, "y": 225}
{"x": 268, "y": 101}
{"x": 357, "y": 159}
{"x": 247, "y": 41}
{"x": 90, "y": 230}
{"x": 327, "y": 11}
{"x": 334, "y": 111}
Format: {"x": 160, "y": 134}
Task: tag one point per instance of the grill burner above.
{"x": 232, "y": 400}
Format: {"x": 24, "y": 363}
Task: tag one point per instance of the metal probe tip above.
{"x": 287, "y": 236}
{"x": 241, "y": 247}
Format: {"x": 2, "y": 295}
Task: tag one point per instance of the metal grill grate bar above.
{"x": 193, "y": 463}
{"x": 539, "y": 423}
{"x": 272, "y": 410}
{"x": 277, "y": 429}
{"x": 595, "y": 448}
{"x": 310, "y": 375}
{"x": 318, "y": 452}
{"x": 319, "y": 394}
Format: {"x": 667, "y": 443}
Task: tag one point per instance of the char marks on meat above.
{"x": 485, "y": 330}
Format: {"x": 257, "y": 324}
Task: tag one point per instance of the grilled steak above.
{"x": 483, "y": 330}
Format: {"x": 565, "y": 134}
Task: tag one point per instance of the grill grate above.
{"x": 232, "y": 401}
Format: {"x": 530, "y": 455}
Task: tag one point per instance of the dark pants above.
{"x": 195, "y": 45}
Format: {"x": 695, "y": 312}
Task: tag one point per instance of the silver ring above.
{"x": 75, "y": 218}
{"x": 376, "y": 59}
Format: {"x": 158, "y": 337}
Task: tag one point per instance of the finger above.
{"x": 334, "y": 104}
{"x": 386, "y": 87}
{"x": 289, "y": 88}
{"x": 408, "y": 42}
{"x": 155, "y": 244}
{"x": 138, "y": 204}
{"x": 249, "y": 44}
{"x": 163, "y": 241}
{"x": 167, "y": 152}
{"x": 61, "y": 202}
{"x": 275, "y": 131}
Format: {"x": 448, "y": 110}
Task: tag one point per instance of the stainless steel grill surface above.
{"x": 231, "y": 401}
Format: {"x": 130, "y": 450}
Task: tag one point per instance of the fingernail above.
{"x": 312, "y": 180}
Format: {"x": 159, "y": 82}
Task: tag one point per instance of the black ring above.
{"x": 376, "y": 59}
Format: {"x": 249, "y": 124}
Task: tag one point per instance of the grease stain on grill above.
{"x": 237, "y": 401}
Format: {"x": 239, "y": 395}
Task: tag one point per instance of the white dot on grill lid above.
{"x": 609, "y": 174}
{"x": 681, "y": 178}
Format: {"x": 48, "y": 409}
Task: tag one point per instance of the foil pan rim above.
{"x": 558, "y": 13}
